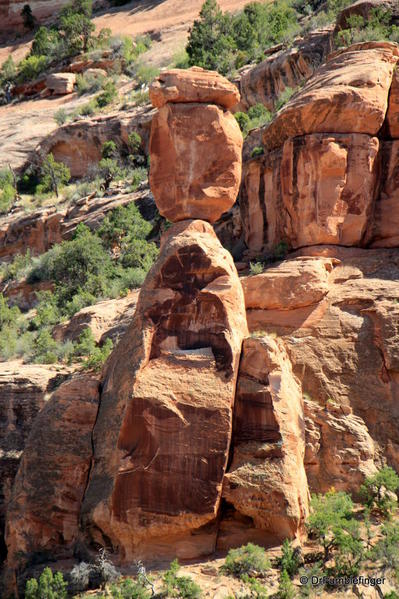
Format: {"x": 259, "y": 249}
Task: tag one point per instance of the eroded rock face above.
{"x": 317, "y": 189}
{"x": 266, "y": 480}
{"x": 265, "y": 82}
{"x": 195, "y": 161}
{"x": 343, "y": 349}
{"x": 193, "y": 85}
{"x": 61, "y": 83}
{"x": 43, "y": 513}
{"x": 348, "y": 94}
{"x": 163, "y": 433}
{"x": 24, "y": 390}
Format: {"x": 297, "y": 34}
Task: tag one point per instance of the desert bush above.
{"x": 179, "y": 586}
{"x": 53, "y": 175}
{"x": 48, "y": 586}
{"x": 377, "y": 27}
{"x": 17, "y": 268}
{"x": 379, "y": 491}
{"x": 248, "y": 559}
{"x": 88, "y": 83}
{"x": 129, "y": 589}
{"x": 243, "y": 121}
{"x": 258, "y": 115}
{"x": 256, "y": 268}
{"x": 286, "y": 589}
{"x": 31, "y": 67}
{"x": 257, "y": 151}
{"x": 290, "y": 559}
{"x": 108, "y": 95}
{"x": 145, "y": 73}
{"x": 7, "y": 198}
{"x": 61, "y": 116}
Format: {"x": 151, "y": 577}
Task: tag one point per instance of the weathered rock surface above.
{"x": 265, "y": 82}
{"x": 78, "y": 144}
{"x": 163, "y": 433}
{"x": 392, "y": 119}
{"x": 343, "y": 348}
{"x": 193, "y": 85}
{"x": 317, "y": 189}
{"x": 384, "y": 227}
{"x": 364, "y": 9}
{"x": 195, "y": 166}
{"x": 43, "y": 514}
{"x": 348, "y": 94}
{"x": 106, "y": 319}
{"x": 43, "y": 228}
{"x": 24, "y": 390}
{"x": 266, "y": 480}
{"x": 61, "y": 83}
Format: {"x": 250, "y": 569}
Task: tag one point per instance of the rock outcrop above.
{"x": 43, "y": 514}
{"x": 195, "y": 147}
{"x": 24, "y": 390}
{"x": 342, "y": 348}
{"x": 328, "y": 174}
{"x": 61, "y": 84}
{"x": 266, "y": 480}
{"x": 162, "y": 437}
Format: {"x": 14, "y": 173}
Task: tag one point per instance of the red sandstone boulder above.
{"x": 193, "y": 85}
{"x": 266, "y": 480}
{"x": 162, "y": 437}
{"x": 61, "y": 84}
{"x": 348, "y": 94}
{"x": 195, "y": 167}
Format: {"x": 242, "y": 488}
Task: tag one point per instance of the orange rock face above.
{"x": 348, "y": 94}
{"x": 193, "y": 85}
{"x": 385, "y": 224}
{"x": 195, "y": 161}
{"x": 266, "y": 480}
{"x": 392, "y": 121}
{"x": 43, "y": 514}
{"x": 163, "y": 434}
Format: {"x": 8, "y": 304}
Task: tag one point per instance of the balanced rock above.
{"x": 193, "y": 85}
{"x": 195, "y": 151}
{"x": 162, "y": 437}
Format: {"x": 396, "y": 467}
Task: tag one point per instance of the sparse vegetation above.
{"x": 249, "y": 559}
{"x": 182, "y": 587}
{"x": 379, "y": 491}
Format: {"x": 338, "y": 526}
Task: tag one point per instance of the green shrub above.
{"x": 8, "y": 70}
{"x": 284, "y": 97}
{"x": 18, "y": 268}
{"x": 248, "y": 559}
{"x": 89, "y": 83}
{"x": 330, "y": 514}
{"x": 145, "y": 74}
{"x": 286, "y": 589}
{"x": 87, "y": 109}
{"x": 129, "y": 589}
{"x": 49, "y": 586}
{"x": 44, "y": 348}
{"x": 243, "y": 121}
{"x": 108, "y": 96}
{"x": 122, "y": 225}
{"x": 379, "y": 490}
{"x": 76, "y": 25}
{"x": 54, "y": 175}
{"x": 134, "y": 142}
{"x": 256, "y": 589}
{"x": 138, "y": 175}
{"x": 47, "y": 312}
{"x": 376, "y": 27}
{"x": 31, "y": 67}
{"x": 61, "y": 116}
{"x": 109, "y": 150}
{"x": 109, "y": 170}
{"x": 179, "y": 586}
{"x": 87, "y": 348}
{"x": 7, "y": 198}
{"x": 256, "y": 268}
{"x": 257, "y": 151}
{"x": 47, "y": 42}
{"x": 258, "y": 115}
{"x": 290, "y": 559}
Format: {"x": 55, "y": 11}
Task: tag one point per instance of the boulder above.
{"x": 266, "y": 480}
{"x": 61, "y": 83}
{"x": 43, "y": 514}
{"x": 163, "y": 433}
{"x": 193, "y": 85}
{"x": 348, "y": 94}
{"x": 195, "y": 166}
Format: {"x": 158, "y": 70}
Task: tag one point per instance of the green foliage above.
{"x": 379, "y": 490}
{"x": 376, "y": 27}
{"x": 179, "y": 586}
{"x": 17, "y": 268}
{"x": 44, "y": 348}
{"x": 47, "y": 42}
{"x": 89, "y": 83}
{"x": 109, "y": 149}
{"x": 47, "y": 311}
{"x": 87, "y": 347}
{"x": 284, "y": 97}
{"x": 349, "y": 549}
{"x": 108, "y": 95}
{"x": 257, "y": 151}
{"x": 145, "y": 74}
{"x": 259, "y": 116}
{"x": 286, "y": 589}
{"x": 243, "y": 121}
{"x": 61, "y": 116}
{"x": 76, "y": 25}
{"x": 31, "y": 67}
{"x": 54, "y": 175}
{"x": 386, "y": 549}
{"x": 49, "y": 586}
{"x": 330, "y": 513}
{"x": 129, "y": 589}
{"x": 256, "y": 589}
{"x": 27, "y": 17}
{"x": 7, "y": 197}
{"x": 248, "y": 559}
{"x": 134, "y": 142}
{"x": 290, "y": 559}
{"x": 256, "y": 268}
{"x": 221, "y": 41}
{"x": 122, "y": 227}
{"x": 109, "y": 170}
{"x": 8, "y": 70}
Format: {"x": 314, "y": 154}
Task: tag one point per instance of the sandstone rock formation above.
{"x": 163, "y": 433}
{"x": 193, "y": 85}
{"x": 43, "y": 514}
{"x": 284, "y": 68}
{"x": 348, "y": 94}
{"x": 328, "y": 175}
{"x": 23, "y": 391}
{"x": 61, "y": 83}
{"x": 266, "y": 480}
{"x": 195, "y": 153}
{"x": 342, "y": 349}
